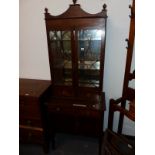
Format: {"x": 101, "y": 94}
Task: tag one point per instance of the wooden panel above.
{"x": 29, "y": 110}
{"x": 75, "y": 11}
{"x": 73, "y": 110}
{"x": 31, "y": 135}
{"x": 32, "y": 87}
{"x": 32, "y": 94}
{"x": 77, "y": 109}
{"x": 72, "y": 24}
{"x": 115, "y": 144}
{"x": 31, "y": 122}
{"x": 28, "y": 100}
{"x": 60, "y": 91}
{"x": 78, "y": 124}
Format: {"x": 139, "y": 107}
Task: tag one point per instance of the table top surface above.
{"x": 33, "y": 87}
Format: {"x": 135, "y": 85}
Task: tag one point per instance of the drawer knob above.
{"x": 29, "y": 135}
{"x": 29, "y": 122}
{"x": 79, "y": 105}
{"x": 130, "y": 146}
{"x": 58, "y": 109}
{"x": 26, "y": 94}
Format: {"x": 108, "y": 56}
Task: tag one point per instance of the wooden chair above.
{"x": 114, "y": 143}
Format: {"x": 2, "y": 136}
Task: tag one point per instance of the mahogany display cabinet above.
{"x": 76, "y": 48}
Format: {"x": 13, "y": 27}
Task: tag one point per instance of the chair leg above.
{"x": 121, "y": 118}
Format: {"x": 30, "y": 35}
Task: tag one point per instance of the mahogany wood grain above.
{"x": 32, "y": 125}
{"x": 74, "y": 108}
{"x": 127, "y": 77}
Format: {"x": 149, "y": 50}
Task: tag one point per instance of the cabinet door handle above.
{"x": 79, "y": 105}
{"x": 27, "y": 94}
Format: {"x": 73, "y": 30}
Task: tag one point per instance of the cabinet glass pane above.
{"x": 61, "y": 54}
{"x": 89, "y": 48}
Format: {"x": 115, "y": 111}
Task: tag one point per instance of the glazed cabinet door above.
{"x": 61, "y": 57}
{"x": 89, "y": 54}
{"x": 76, "y": 57}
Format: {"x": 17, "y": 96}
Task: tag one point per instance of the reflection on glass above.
{"x": 89, "y": 47}
{"x": 61, "y": 53}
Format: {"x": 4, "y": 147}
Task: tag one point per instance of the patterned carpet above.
{"x": 65, "y": 145}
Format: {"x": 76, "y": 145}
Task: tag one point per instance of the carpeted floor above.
{"x": 65, "y": 145}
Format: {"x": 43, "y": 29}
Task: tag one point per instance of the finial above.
{"x": 46, "y": 10}
{"x": 74, "y": 2}
{"x": 104, "y": 7}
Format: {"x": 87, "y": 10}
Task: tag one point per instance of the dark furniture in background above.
{"x": 32, "y": 94}
{"x": 76, "y": 46}
{"x": 115, "y": 143}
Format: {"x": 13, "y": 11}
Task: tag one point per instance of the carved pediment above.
{"x": 75, "y": 11}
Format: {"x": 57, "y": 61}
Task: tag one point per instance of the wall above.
{"x": 33, "y": 62}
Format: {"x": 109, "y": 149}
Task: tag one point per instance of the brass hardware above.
{"x": 58, "y": 109}
{"x": 130, "y": 146}
{"x": 26, "y": 94}
{"x": 79, "y": 105}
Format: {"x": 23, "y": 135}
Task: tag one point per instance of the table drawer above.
{"x": 32, "y": 110}
{"x": 31, "y": 122}
{"x": 74, "y": 110}
{"x": 62, "y": 91}
{"x": 30, "y": 135}
{"x": 23, "y": 100}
